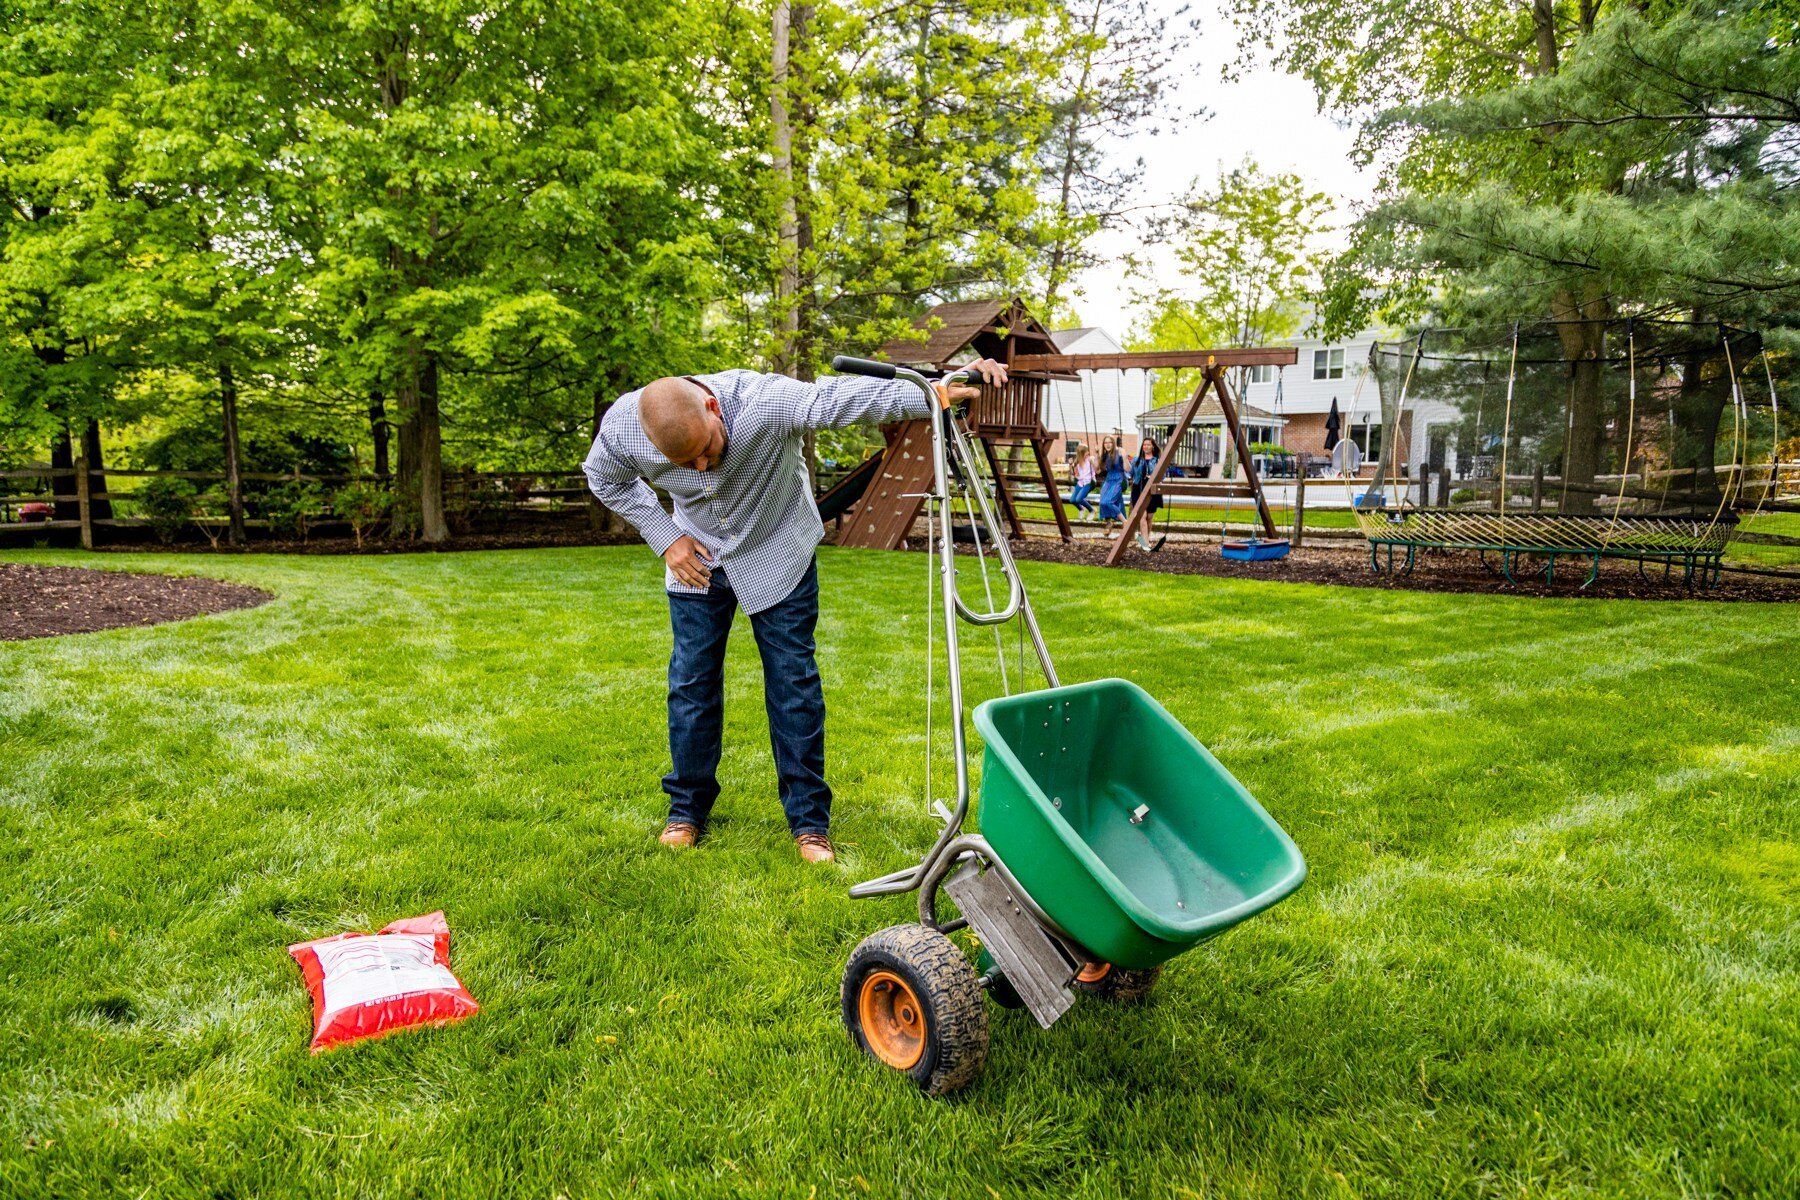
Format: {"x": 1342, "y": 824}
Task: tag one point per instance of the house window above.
{"x": 1328, "y": 364}
{"x": 1262, "y": 374}
{"x": 1367, "y": 434}
{"x": 1070, "y": 446}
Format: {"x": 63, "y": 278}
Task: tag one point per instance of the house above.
{"x": 1339, "y": 370}
{"x": 1097, "y": 403}
{"x": 1203, "y": 446}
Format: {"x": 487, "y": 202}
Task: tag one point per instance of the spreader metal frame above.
{"x": 1039, "y": 946}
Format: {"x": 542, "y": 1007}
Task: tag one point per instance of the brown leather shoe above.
{"x": 679, "y": 835}
{"x": 815, "y": 848}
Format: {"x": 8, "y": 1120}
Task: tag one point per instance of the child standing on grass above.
{"x": 1084, "y": 480}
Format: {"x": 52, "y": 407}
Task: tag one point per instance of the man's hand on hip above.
{"x": 690, "y": 562}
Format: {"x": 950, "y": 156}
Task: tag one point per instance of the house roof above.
{"x": 969, "y": 325}
{"x": 1088, "y": 339}
{"x": 1210, "y": 410}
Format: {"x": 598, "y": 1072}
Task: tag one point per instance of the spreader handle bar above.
{"x": 863, "y": 366}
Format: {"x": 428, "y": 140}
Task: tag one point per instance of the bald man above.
{"x": 727, "y": 449}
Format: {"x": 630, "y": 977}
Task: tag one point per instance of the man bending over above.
{"x": 728, "y": 449}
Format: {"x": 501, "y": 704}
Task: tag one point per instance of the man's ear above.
{"x": 712, "y": 406}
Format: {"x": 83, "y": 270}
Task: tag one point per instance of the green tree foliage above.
{"x": 915, "y": 133}
{"x": 1246, "y": 245}
{"x": 1576, "y": 161}
{"x": 462, "y": 229}
{"x": 1113, "y": 82}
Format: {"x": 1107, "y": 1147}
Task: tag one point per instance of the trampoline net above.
{"x": 1625, "y": 434}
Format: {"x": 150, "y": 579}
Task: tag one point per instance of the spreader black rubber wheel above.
{"x": 912, "y": 1002}
{"x": 1103, "y": 981}
{"x": 1000, "y": 990}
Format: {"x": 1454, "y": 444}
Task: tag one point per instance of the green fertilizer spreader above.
{"x": 1110, "y": 840}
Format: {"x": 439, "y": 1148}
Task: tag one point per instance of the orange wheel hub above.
{"x": 1093, "y": 973}
{"x": 893, "y": 1020}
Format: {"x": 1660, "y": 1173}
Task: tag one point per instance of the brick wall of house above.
{"x": 1305, "y": 433}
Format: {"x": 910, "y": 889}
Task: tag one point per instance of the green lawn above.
{"x": 1548, "y": 947}
{"x": 1785, "y": 558}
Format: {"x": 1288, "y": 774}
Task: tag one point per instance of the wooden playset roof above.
{"x": 981, "y": 326}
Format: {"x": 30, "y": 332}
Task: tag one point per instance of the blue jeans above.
{"x": 791, "y": 692}
{"x": 1080, "y": 498}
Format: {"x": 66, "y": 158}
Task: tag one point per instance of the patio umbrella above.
{"x": 1333, "y": 424}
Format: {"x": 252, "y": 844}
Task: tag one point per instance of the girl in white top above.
{"x": 1084, "y": 480}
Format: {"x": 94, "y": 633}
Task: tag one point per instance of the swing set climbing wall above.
{"x": 1007, "y": 422}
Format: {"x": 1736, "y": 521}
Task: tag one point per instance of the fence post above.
{"x": 83, "y": 501}
{"x": 1424, "y": 484}
{"x": 1537, "y": 489}
{"x": 1299, "y": 506}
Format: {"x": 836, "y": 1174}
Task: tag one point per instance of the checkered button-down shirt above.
{"x": 754, "y": 511}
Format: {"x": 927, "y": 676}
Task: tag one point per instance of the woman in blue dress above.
{"x": 1112, "y": 484}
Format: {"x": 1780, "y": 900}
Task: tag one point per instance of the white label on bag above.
{"x": 368, "y": 969}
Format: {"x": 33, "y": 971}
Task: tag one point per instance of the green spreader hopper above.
{"x": 1123, "y": 827}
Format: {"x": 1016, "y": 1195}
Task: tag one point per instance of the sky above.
{"x": 1264, "y": 113}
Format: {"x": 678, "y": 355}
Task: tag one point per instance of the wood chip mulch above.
{"x": 1440, "y": 571}
{"x": 47, "y": 601}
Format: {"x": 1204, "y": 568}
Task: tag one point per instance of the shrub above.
{"x": 212, "y": 513}
{"x": 168, "y": 504}
{"x": 364, "y": 504}
{"x": 1462, "y": 496}
{"x": 290, "y": 508}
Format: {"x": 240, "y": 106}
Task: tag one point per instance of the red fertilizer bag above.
{"x": 365, "y": 985}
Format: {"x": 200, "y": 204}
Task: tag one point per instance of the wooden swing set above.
{"x": 1011, "y": 421}
{"x": 1213, "y": 364}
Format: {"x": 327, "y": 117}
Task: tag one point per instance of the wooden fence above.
{"x": 515, "y": 491}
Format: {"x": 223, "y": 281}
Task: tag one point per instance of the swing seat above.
{"x": 1255, "y": 549}
{"x": 1122, "y": 827}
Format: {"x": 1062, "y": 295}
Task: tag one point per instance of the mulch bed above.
{"x": 1437, "y": 571}
{"x": 46, "y": 601}
{"x": 344, "y": 545}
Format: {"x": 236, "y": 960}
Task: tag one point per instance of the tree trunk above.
{"x": 1059, "y": 254}
{"x": 806, "y": 298}
{"x": 234, "y": 485}
{"x": 1543, "y": 28}
{"x": 100, "y": 509}
{"x": 432, "y": 527}
{"x": 1581, "y": 333}
{"x": 62, "y": 487}
{"x": 787, "y": 250}
{"x": 379, "y": 431}
{"x": 406, "y": 437}
{"x": 1698, "y": 411}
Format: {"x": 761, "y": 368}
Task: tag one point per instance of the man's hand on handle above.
{"x": 690, "y": 562}
{"x": 987, "y": 368}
